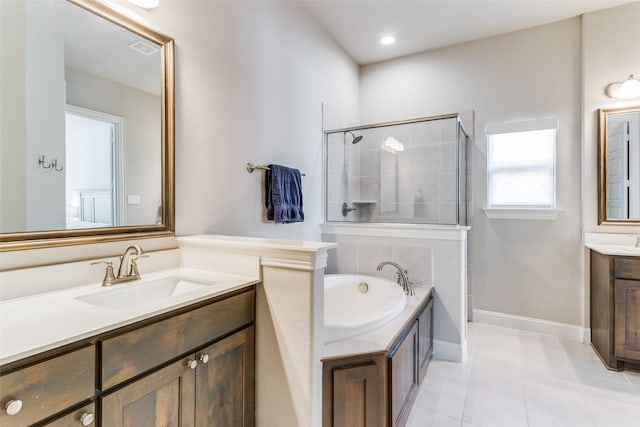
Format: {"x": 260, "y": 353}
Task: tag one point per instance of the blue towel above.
{"x": 283, "y": 194}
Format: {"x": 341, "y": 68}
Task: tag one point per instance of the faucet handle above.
{"x": 412, "y": 288}
{"x": 109, "y": 276}
{"x": 134, "y": 266}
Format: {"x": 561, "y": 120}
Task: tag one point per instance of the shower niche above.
{"x": 413, "y": 171}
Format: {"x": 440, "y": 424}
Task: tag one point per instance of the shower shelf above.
{"x": 364, "y": 202}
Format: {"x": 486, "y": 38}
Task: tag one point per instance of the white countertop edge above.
{"x": 378, "y": 340}
{"x": 254, "y": 243}
{"x": 618, "y": 250}
{"x": 411, "y": 231}
{"x": 73, "y": 312}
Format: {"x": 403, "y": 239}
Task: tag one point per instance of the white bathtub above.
{"x": 349, "y": 312}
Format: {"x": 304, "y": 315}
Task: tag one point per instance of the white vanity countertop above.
{"x": 37, "y": 323}
{"x": 612, "y": 244}
{"x": 379, "y": 339}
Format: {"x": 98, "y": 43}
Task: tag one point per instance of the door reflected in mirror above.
{"x": 619, "y": 166}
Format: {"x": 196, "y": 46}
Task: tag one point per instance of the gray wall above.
{"x": 526, "y": 268}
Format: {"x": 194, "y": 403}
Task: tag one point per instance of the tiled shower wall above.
{"x": 415, "y": 185}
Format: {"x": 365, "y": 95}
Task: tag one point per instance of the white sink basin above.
{"x": 132, "y": 294}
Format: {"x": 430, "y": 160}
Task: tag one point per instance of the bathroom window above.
{"x": 521, "y": 168}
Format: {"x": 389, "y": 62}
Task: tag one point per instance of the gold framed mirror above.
{"x": 87, "y": 135}
{"x": 619, "y": 166}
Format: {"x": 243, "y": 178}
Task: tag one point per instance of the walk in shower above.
{"x": 413, "y": 171}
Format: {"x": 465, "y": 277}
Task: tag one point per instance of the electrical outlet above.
{"x": 133, "y": 199}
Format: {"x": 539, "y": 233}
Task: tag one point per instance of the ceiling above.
{"x": 422, "y": 25}
{"x": 97, "y": 46}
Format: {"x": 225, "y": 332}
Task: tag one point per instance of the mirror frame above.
{"x": 602, "y": 166}
{"x": 54, "y": 238}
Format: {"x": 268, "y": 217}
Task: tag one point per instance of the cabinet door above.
{"x": 163, "y": 398}
{"x": 354, "y": 391}
{"x": 225, "y": 382}
{"x": 627, "y": 319}
{"x": 404, "y": 376}
{"x": 425, "y": 338}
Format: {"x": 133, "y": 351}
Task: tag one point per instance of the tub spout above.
{"x": 402, "y": 276}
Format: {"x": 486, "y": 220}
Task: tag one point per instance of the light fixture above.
{"x": 387, "y": 40}
{"x": 630, "y": 88}
{"x": 392, "y": 145}
{"x": 146, "y": 4}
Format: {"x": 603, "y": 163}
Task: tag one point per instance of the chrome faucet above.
{"x": 402, "y": 277}
{"x": 128, "y": 270}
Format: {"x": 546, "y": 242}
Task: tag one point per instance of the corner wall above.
{"x": 251, "y": 78}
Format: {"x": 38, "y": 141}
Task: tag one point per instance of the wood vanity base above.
{"x": 615, "y": 310}
{"x": 378, "y": 389}
{"x": 193, "y": 366}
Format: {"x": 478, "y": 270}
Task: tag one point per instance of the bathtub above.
{"x": 355, "y": 304}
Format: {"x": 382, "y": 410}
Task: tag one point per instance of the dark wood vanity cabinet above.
{"x": 615, "y": 310}
{"x": 378, "y": 389}
{"x": 191, "y": 367}
{"x": 209, "y": 388}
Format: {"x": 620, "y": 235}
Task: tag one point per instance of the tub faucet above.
{"x": 402, "y": 279}
{"x": 638, "y": 241}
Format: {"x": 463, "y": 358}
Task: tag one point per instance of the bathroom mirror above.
{"x": 87, "y": 131}
{"x": 619, "y": 166}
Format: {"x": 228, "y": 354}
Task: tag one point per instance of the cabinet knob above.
{"x": 204, "y": 357}
{"x": 192, "y": 364}
{"x": 13, "y": 407}
{"x": 87, "y": 419}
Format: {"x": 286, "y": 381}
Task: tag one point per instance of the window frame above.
{"x": 525, "y": 210}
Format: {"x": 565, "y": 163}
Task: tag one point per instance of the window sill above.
{"x": 544, "y": 214}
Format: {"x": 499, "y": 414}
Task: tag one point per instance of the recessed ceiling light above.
{"x": 147, "y": 4}
{"x": 386, "y": 40}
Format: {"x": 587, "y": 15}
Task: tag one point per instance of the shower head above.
{"x": 356, "y": 139}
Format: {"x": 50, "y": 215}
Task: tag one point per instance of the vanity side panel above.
{"x": 602, "y": 306}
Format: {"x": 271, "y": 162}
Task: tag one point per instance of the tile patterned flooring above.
{"x": 522, "y": 379}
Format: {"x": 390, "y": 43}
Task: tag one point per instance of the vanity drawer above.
{"x": 135, "y": 352}
{"x": 48, "y": 387}
{"x": 627, "y": 268}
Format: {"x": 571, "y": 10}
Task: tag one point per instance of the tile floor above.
{"x": 522, "y": 379}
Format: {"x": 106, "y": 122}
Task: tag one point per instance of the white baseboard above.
{"x": 530, "y": 324}
{"x": 446, "y": 350}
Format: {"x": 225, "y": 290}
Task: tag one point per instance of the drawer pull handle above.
{"x": 192, "y": 364}
{"x": 204, "y": 358}
{"x": 87, "y": 419}
{"x": 13, "y": 407}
